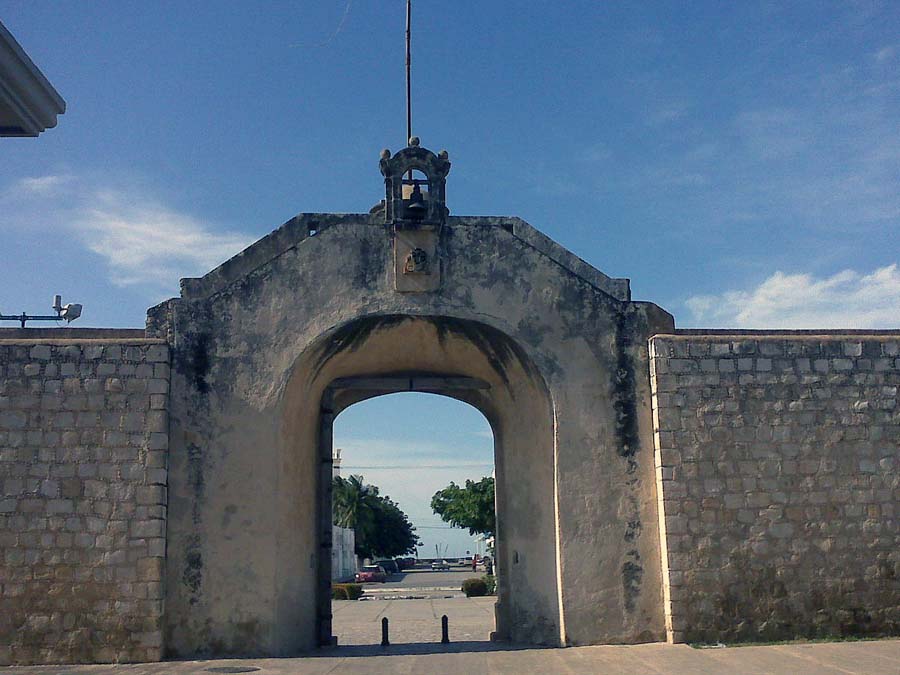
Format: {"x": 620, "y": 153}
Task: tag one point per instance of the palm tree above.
{"x": 352, "y": 500}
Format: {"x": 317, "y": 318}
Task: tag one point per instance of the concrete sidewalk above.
{"x": 415, "y": 633}
{"x": 864, "y": 658}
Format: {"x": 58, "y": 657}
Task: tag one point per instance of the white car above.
{"x": 438, "y": 565}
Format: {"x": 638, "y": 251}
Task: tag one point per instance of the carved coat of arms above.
{"x": 416, "y": 262}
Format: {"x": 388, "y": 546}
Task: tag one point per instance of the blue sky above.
{"x": 739, "y": 162}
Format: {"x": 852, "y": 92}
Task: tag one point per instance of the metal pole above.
{"x": 384, "y": 633}
{"x": 23, "y": 318}
{"x": 408, "y": 73}
{"x": 445, "y": 630}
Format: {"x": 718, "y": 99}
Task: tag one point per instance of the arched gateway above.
{"x": 331, "y": 309}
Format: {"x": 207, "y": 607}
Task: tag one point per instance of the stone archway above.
{"x": 258, "y": 342}
{"x": 480, "y": 366}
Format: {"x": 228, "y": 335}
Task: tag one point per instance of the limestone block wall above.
{"x": 778, "y": 474}
{"x": 83, "y": 445}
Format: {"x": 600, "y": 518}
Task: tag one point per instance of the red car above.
{"x": 371, "y": 573}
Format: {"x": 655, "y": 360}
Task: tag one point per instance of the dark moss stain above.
{"x": 351, "y": 336}
{"x": 499, "y": 275}
{"x": 752, "y": 602}
{"x": 633, "y": 530}
{"x": 195, "y": 478}
{"x": 571, "y": 302}
{"x": 462, "y": 296}
{"x": 632, "y": 574}
{"x": 625, "y": 391}
{"x": 499, "y": 350}
{"x": 192, "y": 360}
{"x": 532, "y": 330}
{"x": 192, "y": 574}
{"x": 368, "y": 270}
{"x": 496, "y": 347}
{"x": 247, "y": 290}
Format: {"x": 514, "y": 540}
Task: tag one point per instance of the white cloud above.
{"x": 885, "y": 54}
{"x": 43, "y": 185}
{"x": 147, "y": 243}
{"x": 847, "y": 299}
{"x": 142, "y": 241}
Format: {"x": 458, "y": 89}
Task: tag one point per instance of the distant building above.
{"x": 28, "y": 102}
{"x": 343, "y": 540}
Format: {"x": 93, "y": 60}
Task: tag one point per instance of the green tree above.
{"x": 392, "y": 534}
{"x": 381, "y": 528}
{"x": 471, "y": 506}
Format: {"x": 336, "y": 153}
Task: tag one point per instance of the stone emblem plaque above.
{"x": 417, "y": 268}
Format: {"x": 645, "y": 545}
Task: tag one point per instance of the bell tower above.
{"x": 415, "y": 209}
{"x": 415, "y": 182}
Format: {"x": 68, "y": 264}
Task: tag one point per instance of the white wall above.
{"x": 343, "y": 559}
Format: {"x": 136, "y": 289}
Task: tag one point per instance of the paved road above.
{"x": 427, "y": 579}
{"x": 848, "y": 658}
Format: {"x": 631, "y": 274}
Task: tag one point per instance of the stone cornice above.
{"x": 28, "y": 102}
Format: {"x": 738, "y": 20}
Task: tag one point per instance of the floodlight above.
{"x": 70, "y": 312}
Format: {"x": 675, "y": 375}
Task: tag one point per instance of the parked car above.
{"x": 371, "y": 573}
{"x": 440, "y": 565}
{"x": 390, "y": 566}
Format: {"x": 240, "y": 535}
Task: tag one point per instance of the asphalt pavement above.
{"x": 425, "y": 580}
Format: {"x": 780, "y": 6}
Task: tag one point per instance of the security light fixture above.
{"x": 69, "y": 312}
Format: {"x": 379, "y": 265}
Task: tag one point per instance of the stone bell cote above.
{"x": 415, "y": 185}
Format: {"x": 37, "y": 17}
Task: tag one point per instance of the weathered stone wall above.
{"x": 83, "y": 444}
{"x": 777, "y": 467}
{"x": 257, "y": 341}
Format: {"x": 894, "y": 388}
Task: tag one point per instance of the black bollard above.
{"x": 445, "y": 630}
{"x": 384, "y": 633}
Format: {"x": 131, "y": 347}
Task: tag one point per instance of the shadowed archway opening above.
{"x": 464, "y": 360}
